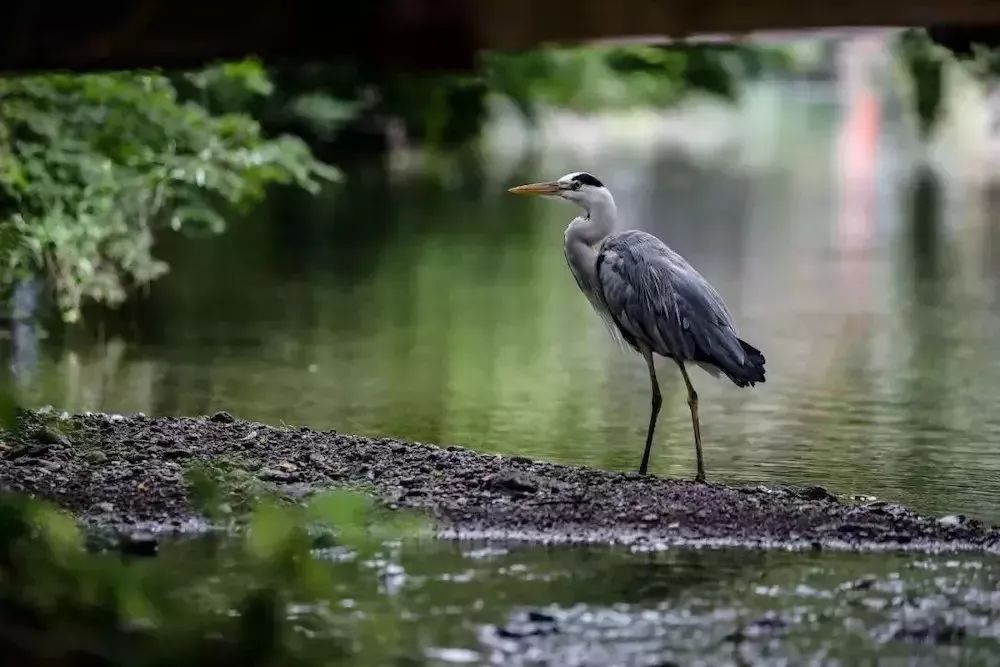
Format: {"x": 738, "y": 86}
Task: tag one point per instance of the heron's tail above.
{"x": 753, "y": 370}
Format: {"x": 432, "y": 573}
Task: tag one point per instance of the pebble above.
{"x": 223, "y": 417}
{"x": 50, "y": 436}
{"x": 176, "y": 453}
{"x": 96, "y": 456}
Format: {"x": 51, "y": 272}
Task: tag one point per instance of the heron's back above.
{"x": 659, "y": 301}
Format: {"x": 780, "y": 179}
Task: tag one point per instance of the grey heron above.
{"x": 649, "y": 296}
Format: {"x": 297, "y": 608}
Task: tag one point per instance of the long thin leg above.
{"x": 693, "y": 404}
{"x": 654, "y": 410}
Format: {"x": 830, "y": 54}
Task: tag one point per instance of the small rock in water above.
{"x": 540, "y": 617}
{"x": 951, "y": 521}
{"x": 275, "y": 475}
{"x": 298, "y": 490}
{"x": 223, "y": 417}
{"x": 457, "y": 656}
{"x": 862, "y": 584}
{"x": 139, "y": 544}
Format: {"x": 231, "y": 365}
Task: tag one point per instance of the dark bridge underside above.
{"x": 42, "y": 34}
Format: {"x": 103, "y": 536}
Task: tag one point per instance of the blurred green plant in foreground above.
{"x": 219, "y": 602}
{"x": 91, "y": 166}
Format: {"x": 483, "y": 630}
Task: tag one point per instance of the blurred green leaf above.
{"x": 269, "y": 532}
{"x": 61, "y": 604}
{"x": 344, "y": 511}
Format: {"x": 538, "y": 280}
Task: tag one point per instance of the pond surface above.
{"x": 428, "y": 304}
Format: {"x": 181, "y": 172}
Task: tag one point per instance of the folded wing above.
{"x": 659, "y": 301}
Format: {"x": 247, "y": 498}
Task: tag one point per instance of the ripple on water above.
{"x": 930, "y": 611}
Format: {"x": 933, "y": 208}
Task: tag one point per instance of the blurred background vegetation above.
{"x": 94, "y": 167}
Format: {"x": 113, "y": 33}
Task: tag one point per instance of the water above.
{"x": 483, "y": 603}
{"x": 433, "y": 306}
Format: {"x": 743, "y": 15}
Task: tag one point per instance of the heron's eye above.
{"x": 577, "y": 185}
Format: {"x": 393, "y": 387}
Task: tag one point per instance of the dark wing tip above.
{"x": 753, "y": 371}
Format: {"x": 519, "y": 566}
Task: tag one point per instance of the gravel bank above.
{"x": 128, "y": 471}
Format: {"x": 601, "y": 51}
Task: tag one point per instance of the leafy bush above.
{"x": 91, "y": 166}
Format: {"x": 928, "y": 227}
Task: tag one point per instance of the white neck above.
{"x": 584, "y": 235}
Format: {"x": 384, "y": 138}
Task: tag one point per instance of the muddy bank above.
{"x": 125, "y": 471}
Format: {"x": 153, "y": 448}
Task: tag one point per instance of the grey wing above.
{"x": 661, "y": 302}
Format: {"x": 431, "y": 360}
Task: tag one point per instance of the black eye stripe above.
{"x": 586, "y": 179}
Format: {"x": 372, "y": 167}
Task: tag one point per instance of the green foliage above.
{"x": 927, "y": 63}
{"x": 924, "y": 63}
{"x": 322, "y": 113}
{"x": 985, "y": 62}
{"x": 225, "y": 604}
{"x": 595, "y": 78}
{"x": 92, "y": 166}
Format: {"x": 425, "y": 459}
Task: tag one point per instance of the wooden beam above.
{"x": 524, "y": 23}
{"x": 43, "y": 34}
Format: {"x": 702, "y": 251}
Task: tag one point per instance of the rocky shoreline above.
{"x": 123, "y": 472}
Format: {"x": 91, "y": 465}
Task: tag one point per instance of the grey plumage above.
{"x": 658, "y": 300}
{"x": 650, "y": 297}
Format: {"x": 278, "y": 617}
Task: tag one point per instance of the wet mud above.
{"x": 123, "y": 472}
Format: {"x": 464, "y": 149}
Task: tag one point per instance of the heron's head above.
{"x": 579, "y": 187}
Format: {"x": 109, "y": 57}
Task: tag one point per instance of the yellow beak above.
{"x": 536, "y": 189}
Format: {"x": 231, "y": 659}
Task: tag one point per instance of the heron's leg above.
{"x": 693, "y": 404}
{"x": 654, "y": 410}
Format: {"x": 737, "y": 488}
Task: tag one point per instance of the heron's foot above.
{"x": 700, "y": 478}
